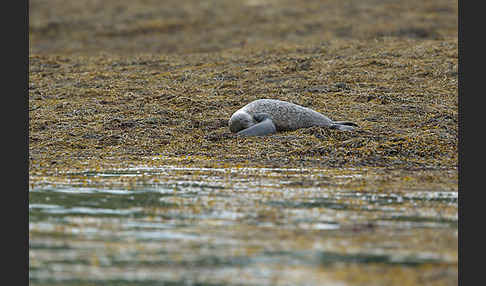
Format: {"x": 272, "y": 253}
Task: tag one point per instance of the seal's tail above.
{"x": 344, "y": 125}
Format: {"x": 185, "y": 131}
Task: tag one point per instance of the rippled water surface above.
{"x": 238, "y": 226}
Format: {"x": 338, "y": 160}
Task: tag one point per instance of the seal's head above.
{"x": 240, "y": 120}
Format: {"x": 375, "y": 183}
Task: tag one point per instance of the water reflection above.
{"x": 190, "y": 226}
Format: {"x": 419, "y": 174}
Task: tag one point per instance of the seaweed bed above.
{"x": 117, "y": 111}
{"x": 122, "y": 84}
{"x": 112, "y": 88}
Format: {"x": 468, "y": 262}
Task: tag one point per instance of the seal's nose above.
{"x": 234, "y": 124}
{"x": 239, "y": 121}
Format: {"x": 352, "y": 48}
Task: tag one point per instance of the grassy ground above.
{"x": 119, "y": 83}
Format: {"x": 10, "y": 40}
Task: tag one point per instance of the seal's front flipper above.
{"x": 265, "y": 127}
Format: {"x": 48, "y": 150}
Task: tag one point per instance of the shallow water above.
{"x": 237, "y": 226}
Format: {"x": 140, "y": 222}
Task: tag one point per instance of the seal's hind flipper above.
{"x": 344, "y": 125}
{"x": 266, "y": 127}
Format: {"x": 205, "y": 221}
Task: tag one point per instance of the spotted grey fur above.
{"x": 267, "y": 116}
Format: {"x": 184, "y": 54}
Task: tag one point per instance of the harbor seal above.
{"x": 268, "y": 116}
